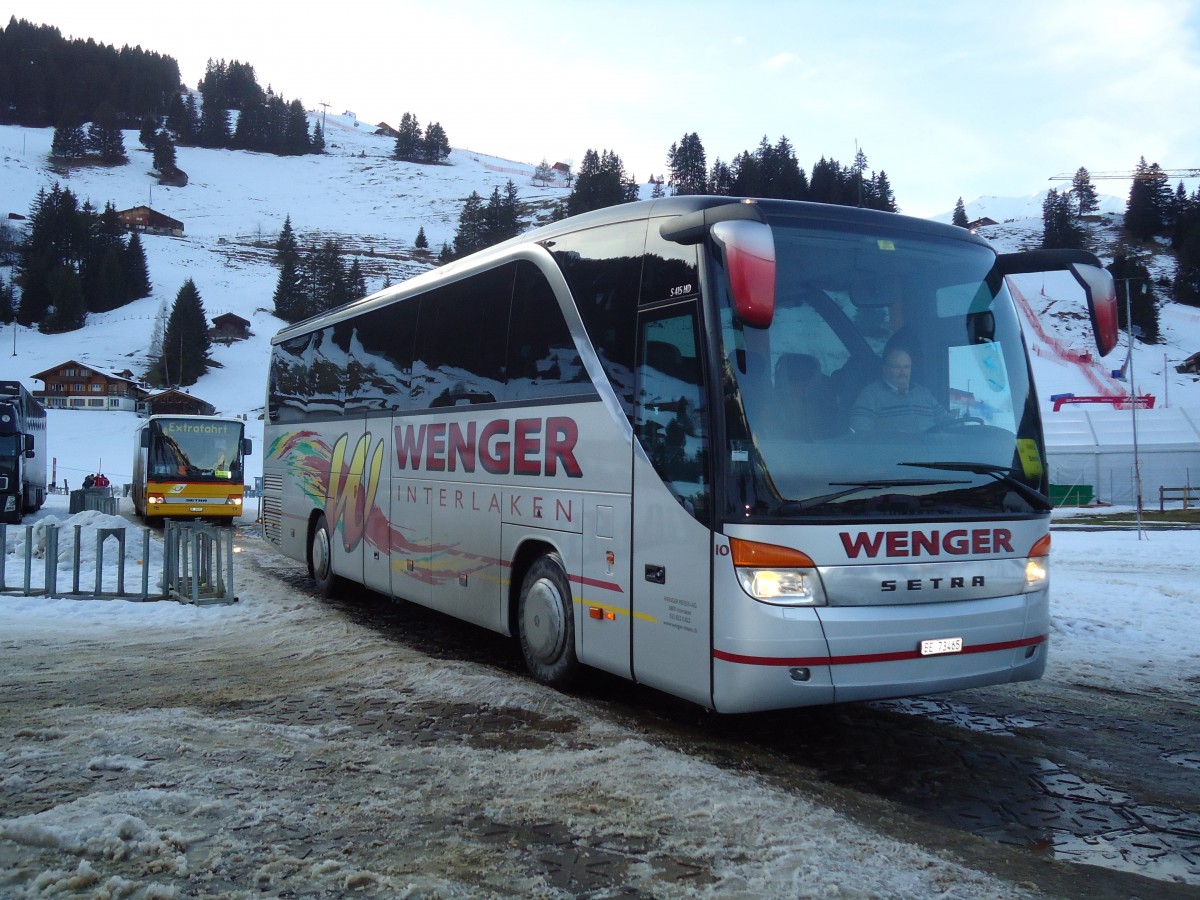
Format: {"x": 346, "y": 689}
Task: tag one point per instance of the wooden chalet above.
{"x": 228, "y": 328}
{"x": 1190, "y": 366}
{"x": 176, "y": 402}
{"x": 73, "y": 385}
{"x": 149, "y": 221}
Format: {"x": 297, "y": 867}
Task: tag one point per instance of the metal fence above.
{"x": 196, "y": 564}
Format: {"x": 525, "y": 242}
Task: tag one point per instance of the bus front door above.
{"x": 672, "y": 542}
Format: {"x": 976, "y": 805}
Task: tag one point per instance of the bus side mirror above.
{"x": 145, "y": 439}
{"x": 27, "y": 445}
{"x": 1101, "y": 295}
{"x": 749, "y": 249}
{"x": 247, "y": 446}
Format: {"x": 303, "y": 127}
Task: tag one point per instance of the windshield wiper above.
{"x": 1000, "y": 473}
{"x": 853, "y": 487}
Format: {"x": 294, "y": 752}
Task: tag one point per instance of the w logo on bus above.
{"x": 352, "y": 486}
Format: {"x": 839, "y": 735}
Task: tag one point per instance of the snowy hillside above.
{"x": 234, "y": 207}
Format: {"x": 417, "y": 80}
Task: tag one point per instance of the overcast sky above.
{"x": 949, "y": 98}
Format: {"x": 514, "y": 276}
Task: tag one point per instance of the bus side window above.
{"x": 671, "y": 416}
{"x": 289, "y": 387}
{"x": 542, "y": 359}
{"x": 670, "y": 271}
{"x": 603, "y": 267}
{"x": 379, "y": 349}
{"x": 462, "y": 333}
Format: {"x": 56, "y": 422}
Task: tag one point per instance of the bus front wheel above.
{"x": 546, "y": 623}
{"x": 320, "y": 558}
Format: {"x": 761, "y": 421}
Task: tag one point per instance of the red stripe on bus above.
{"x": 592, "y": 582}
{"x": 741, "y": 659}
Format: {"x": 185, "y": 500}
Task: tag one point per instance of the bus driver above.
{"x": 893, "y": 404}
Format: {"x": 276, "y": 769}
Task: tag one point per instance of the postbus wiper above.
{"x": 1000, "y": 473}
{"x": 853, "y": 487}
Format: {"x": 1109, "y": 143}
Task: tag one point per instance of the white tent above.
{"x": 1095, "y": 446}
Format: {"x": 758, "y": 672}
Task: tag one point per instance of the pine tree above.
{"x": 356, "y": 284}
{"x": 318, "y": 138}
{"x": 1059, "y": 230}
{"x": 436, "y": 146}
{"x": 409, "y": 139}
{"x": 105, "y": 138}
{"x": 1147, "y": 212}
{"x": 296, "y": 138}
{"x": 787, "y": 180}
{"x": 421, "y": 243}
{"x": 1083, "y": 192}
{"x": 68, "y": 310}
{"x": 57, "y": 238}
{"x": 137, "y": 273}
{"x": 720, "y": 179}
{"x": 1186, "y": 288}
{"x": 325, "y": 280}
{"x": 285, "y": 244}
{"x": 289, "y": 298}
{"x": 8, "y": 302}
{"x": 69, "y": 141}
{"x": 471, "y": 234}
{"x": 1133, "y": 285}
{"x": 214, "y": 129}
{"x": 185, "y": 340}
{"x": 960, "y": 215}
{"x": 542, "y": 173}
{"x": 688, "y": 166}
{"x": 148, "y": 132}
{"x": 102, "y": 272}
{"x": 885, "y": 198}
{"x": 163, "y": 150}
{"x": 601, "y": 182}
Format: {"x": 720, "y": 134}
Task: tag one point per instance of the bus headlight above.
{"x": 777, "y": 575}
{"x": 233, "y": 500}
{"x": 1037, "y": 566}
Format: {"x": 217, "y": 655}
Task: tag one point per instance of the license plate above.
{"x": 941, "y": 645}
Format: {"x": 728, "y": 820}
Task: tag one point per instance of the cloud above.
{"x": 780, "y": 61}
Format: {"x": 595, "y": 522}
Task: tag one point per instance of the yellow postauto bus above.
{"x": 189, "y": 467}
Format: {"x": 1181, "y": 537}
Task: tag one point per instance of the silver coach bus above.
{"x": 639, "y": 440}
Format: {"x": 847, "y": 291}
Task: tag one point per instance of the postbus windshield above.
{"x": 892, "y": 382}
{"x": 195, "y": 450}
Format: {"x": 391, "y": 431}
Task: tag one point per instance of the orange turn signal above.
{"x": 767, "y": 556}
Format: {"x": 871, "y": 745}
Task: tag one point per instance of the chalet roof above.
{"x": 54, "y": 370}
{"x": 151, "y": 215}
{"x": 230, "y": 319}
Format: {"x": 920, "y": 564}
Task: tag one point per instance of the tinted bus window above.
{"x": 326, "y": 366}
{"x": 670, "y": 271}
{"x": 542, "y": 359}
{"x": 288, "y": 389}
{"x": 379, "y": 347}
{"x": 462, "y": 333}
{"x": 603, "y": 266}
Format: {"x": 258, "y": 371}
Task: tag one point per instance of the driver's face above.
{"x": 897, "y": 370}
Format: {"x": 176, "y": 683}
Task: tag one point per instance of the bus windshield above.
{"x": 892, "y": 382}
{"x": 195, "y": 450}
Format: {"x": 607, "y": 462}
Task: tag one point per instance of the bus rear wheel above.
{"x": 320, "y": 558}
{"x": 546, "y": 623}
